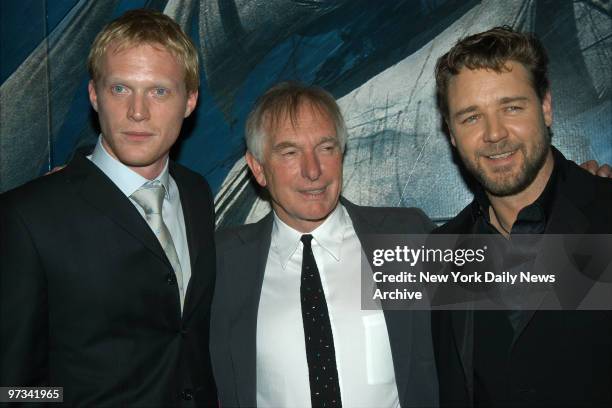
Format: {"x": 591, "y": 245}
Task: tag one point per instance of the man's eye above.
{"x": 289, "y": 153}
{"x": 118, "y": 89}
{"x": 470, "y": 119}
{"x": 160, "y": 91}
{"x": 513, "y": 109}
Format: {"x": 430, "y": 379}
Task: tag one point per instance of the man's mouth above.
{"x": 137, "y": 136}
{"x": 135, "y": 133}
{"x": 313, "y": 193}
{"x": 500, "y": 156}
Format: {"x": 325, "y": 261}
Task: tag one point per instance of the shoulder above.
{"x": 187, "y": 177}
{"x": 231, "y": 237}
{"x": 460, "y": 224}
{"x": 575, "y": 179}
{"x": 194, "y": 190}
{"x": 589, "y": 194}
{"x": 226, "y": 235}
{"x": 41, "y": 192}
{"x": 391, "y": 220}
{"x": 579, "y": 185}
{"x": 411, "y": 215}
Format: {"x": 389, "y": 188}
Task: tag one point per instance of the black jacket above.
{"x": 558, "y": 358}
{"x": 88, "y": 299}
{"x": 241, "y": 262}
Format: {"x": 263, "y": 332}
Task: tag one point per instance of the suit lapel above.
{"x": 398, "y": 322}
{"x": 565, "y": 216}
{"x": 462, "y": 322}
{"x": 463, "y": 331}
{"x": 100, "y": 192}
{"x": 190, "y": 214}
{"x": 194, "y": 234}
{"x": 247, "y": 265}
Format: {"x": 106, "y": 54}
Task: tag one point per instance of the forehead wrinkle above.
{"x": 490, "y": 89}
{"x": 289, "y": 109}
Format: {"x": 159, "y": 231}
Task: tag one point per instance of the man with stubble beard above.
{"x": 494, "y": 95}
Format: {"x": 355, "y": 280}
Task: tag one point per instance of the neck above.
{"x": 302, "y": 225}
{"x": 504, "y": 210}
{"x": 150, "y": 172}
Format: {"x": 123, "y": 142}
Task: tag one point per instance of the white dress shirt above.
{"x": 128, "y": 181}
{"x": 361, "y": 342}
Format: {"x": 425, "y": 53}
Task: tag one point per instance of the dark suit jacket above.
{"x": 241, "y": 260}
{"x": 556, "y": 358}
{"x": 89, "y": 300}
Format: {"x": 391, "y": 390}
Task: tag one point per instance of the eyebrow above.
{"x": 463, "y": 111}
{"x": 166, "y": 83}
{"x": 502, "y": 101}
{"x": 510, "y": 99}
{"x": 328, "y": 139}
{"x": 285, "y": 145}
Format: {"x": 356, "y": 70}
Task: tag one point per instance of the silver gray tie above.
{"x": 151, "y": 198}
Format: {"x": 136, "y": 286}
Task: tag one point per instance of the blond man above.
{"x": 107, "y": 267}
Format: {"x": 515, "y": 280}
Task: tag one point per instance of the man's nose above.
{"x": 495, "y": 129}
{"x": 311, "y": 166}
{"x": 138, "y": 109}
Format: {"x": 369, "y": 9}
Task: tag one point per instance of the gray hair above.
{"x": 284, "y": 100}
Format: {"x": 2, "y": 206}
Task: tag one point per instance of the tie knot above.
{"x": 150, "y": 197}
{"x": 306, "y": 239}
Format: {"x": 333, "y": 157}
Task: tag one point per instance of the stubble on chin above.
{"x": 505, "y": 183}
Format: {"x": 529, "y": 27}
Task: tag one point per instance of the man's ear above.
{"x": 93, "y": 96}
{"x": 547, "y": 109}
{"x": 192, "y": 100}
{"x": 256, "y": 168}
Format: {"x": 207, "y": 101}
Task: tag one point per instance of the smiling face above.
{"x": 499, "y": 127}
{"x": 301, "y": 168}
{"x": 141, "y": 102}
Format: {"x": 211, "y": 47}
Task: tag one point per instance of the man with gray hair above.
{"x": 287, "y": 327}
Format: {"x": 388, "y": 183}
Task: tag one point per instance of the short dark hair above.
{"x": 284, "y": 100}
{"x": 492, "y": 50}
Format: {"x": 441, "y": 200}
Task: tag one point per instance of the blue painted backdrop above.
{"x": 376, "y": 57}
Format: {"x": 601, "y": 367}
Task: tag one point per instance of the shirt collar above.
{"x": 329, "y": 236}
{"x": 126, "y": 179}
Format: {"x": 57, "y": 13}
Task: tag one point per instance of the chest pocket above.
{"x": 379, "y": 361}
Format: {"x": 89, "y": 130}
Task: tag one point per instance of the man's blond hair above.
{"x": 144, "y": 26}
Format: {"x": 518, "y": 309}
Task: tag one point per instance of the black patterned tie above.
{"x": 320, "y": 353}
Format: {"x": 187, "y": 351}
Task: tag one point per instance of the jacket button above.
{"x": 171, "y": 279}
{"x": 187, "y": 395}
